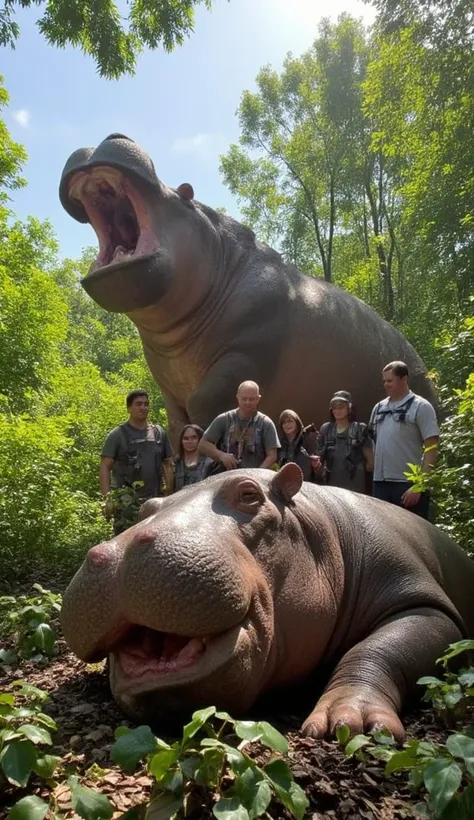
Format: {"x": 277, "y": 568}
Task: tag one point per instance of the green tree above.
{"x": 12, "y": 155}
{"x": 98, "y": 28}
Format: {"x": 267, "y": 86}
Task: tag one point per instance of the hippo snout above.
{"x": 159, "y": 575}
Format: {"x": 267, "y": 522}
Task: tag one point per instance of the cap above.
{"x": 341, "y": 395}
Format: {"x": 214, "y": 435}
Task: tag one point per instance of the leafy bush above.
{"x": 24, "y": 730}
{"x": 26, "y": 623}
{"x": 442, "y": 772}
{"x": 244, "y": 789}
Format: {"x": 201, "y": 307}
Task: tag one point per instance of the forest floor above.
{"x": 81, "y": 704}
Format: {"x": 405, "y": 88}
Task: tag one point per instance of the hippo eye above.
{"x": 249, "y": 496}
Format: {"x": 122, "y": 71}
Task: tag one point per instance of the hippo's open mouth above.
{"x": 117, "y": 212}
{"x": 145, "y": 658}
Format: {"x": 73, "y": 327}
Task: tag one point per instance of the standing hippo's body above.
{"x": 214, "y": 307}
{"x": 244, "y": 583}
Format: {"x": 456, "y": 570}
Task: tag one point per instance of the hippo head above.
{"x": 193, "y": 605}
{"x": 147, "y": 233}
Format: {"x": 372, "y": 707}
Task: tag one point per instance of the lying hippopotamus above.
{"x": 214, "y": 307}
{"x": 250, "y": 580}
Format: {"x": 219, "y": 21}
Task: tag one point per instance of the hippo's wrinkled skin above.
{"x": 214, "y": 307}
{"x": 250, "y": 580}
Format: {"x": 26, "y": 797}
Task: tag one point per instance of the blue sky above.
{"x": 180, "y": 107}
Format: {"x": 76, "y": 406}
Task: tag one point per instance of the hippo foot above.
{"x": 355, "y": 708}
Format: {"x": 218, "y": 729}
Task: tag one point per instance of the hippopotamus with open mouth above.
{"x": 213, "y": 306}
{"x": 251, "y": 580}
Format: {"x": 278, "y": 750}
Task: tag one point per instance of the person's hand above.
{"x": 410, "y": 498}
{"x": 228, "y": 460}
{"x": 108, "y": 509}
{"x": 315, "y": 462}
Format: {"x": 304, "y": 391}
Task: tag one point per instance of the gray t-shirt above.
{"x": 138, "y": 455}
{"x": 249, "y": 440}
{"x": 399, "y": 436}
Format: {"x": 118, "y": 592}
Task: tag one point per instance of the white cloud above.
{"x": 22, "y": 117}
{"x": 200, "y": 145}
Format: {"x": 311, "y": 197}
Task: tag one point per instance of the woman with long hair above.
{"x": 298, "y": 443}
{"x": 189, "y": 464}
{"x": 344, "y": 447}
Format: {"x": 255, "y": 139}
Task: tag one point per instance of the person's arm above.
{"x": 367, "y": 450}
{"x": 106, "y": 464}
{"x": 271, "y": 444}
{"x": 269, "y": 459}
{"x": 208, "y": 448}
{"x": 167, "y": 467}
{"x": 429, "y": 430}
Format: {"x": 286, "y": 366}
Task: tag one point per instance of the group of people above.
{"x": 345, "y": 452}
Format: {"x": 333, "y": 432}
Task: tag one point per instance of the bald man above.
{"x": 242, "y": 437}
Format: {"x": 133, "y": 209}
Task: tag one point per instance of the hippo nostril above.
{"x": 102, "y": 554}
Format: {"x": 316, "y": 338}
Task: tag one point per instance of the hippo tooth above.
{"x": 194, "y": 647}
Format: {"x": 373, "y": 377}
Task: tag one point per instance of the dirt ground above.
{"x": 81, "y": 704}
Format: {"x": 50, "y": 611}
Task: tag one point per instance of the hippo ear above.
{"x": 186, "y": 190}
{"x": 287, "y": 481}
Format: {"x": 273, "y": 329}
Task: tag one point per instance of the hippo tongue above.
{"x": 146, "y": 650}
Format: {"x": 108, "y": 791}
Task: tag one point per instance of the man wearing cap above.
{"x": 405, "y": 431}
{"x": 344, "y": 446}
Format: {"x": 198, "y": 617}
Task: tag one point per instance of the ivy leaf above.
{"x": 442, "y": 779}
{"x": 29, "y": 808}
{"x": 35, "y": 733}
{"x": 343, "y": 734}
{"x": 18, "y": 761}
{"x": 130, "y": 748}
{"x": 355, "y": 744}
{"x": 230, "y": 808}
{"x": 87, "y": 803}
{"x": 43, "y": 638}
{"x": 199, "y": 718}
{"x": 162, "y": 761}
{"x": 45, "y": 766}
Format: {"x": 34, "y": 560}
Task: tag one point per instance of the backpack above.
{"x": 131, "y": 459}
{"x": 399, "y": 414}
{"x": 355, "y": 439}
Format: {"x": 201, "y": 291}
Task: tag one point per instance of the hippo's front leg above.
{"x": 373, "y": 678}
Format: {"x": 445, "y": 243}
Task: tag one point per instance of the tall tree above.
{"x": 99, "y": 29}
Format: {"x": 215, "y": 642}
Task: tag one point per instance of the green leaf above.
{"x": 466, "y": 678}
{"x": 18, "y": 761}
{"x": 162, "y": 761}
{"x": 35, "y": 733}
{"x": 47, "y": 720}
{"x": 230, "y": 808}
{"x": 254, "y": 790}
{"x": 87, "y": 803}
{"x": 442, "y": 779}
{"x": 135, "y": 813}
{"x": 29, "y": 690}
{"x": 130, "y": 748}
{"x": 199, "y": 718}
{"x": 343, "y": 734}
{"x": 456, "y": 649}
{"x": 461, "y": 746}
{"x": 294, "y": 799}
{"x": 272, "y": 738}
{"x": 122, "y": 730}
{"x": 248, "y": 730}
{"x": 7, "y": 698}
{"x": 28, "y": 808}
{"x": 43, "y": 638}
{"x": 163, "y": 807}
{"x": 46, "y": 765}
{"x": 405, "y": 759}
{"x": 7, "y": 656}
{"x": 357, "y": 742}
{"x": 279, "y": 774}
{"x": 430, "y": 681}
